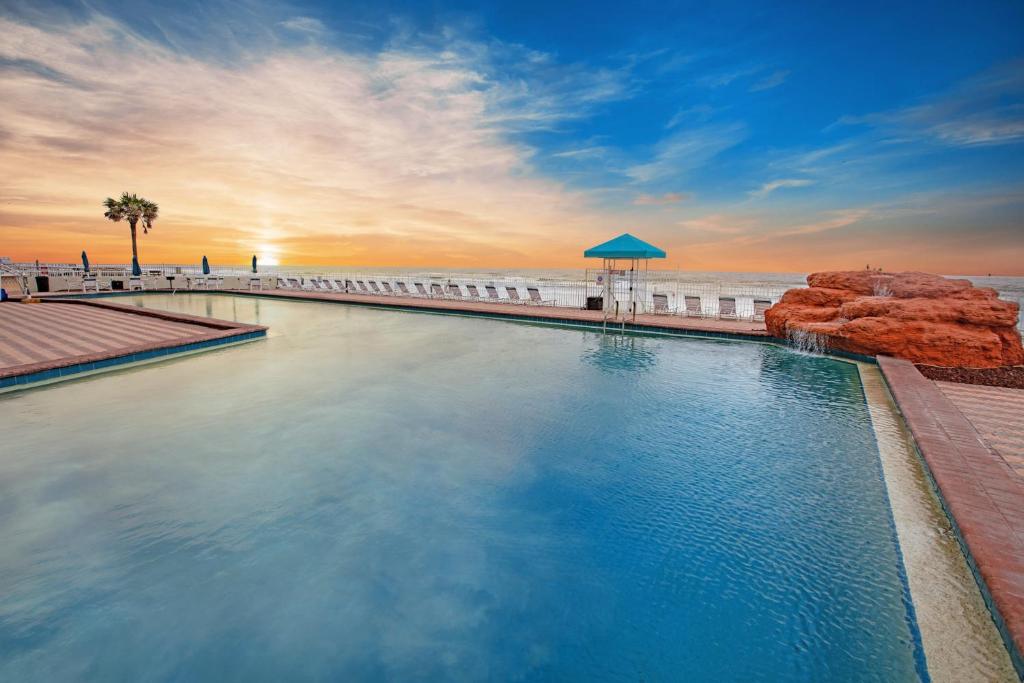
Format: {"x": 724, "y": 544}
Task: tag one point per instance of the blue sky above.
{"x": 743, "y": 136}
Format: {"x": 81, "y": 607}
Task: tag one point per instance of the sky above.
{"x": 742, "y": 136}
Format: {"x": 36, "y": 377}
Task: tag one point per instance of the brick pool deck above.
{"x": 63, "y": 337}
{"x": 998, "y": 415}
{"x": 982, "y": 493}
{"x": 554, "y": 313}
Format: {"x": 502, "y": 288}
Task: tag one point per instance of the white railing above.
{"x": 667, "y": 292}
{"x": 660, "y": 292}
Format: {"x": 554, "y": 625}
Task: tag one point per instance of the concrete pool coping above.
{"x": 221, "y": 333}
{"x": 981, "y": 495}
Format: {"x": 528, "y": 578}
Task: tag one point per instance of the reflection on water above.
{"x": 371, "y": 495}
{"x": 619, "y": 352}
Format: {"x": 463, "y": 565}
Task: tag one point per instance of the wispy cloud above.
{"x": 773, "y": 185}
{"x": 662, "y": 199}
{"x": 685, "y": 151}
{"x": 406, "y": 147}
{"x": 699, "y": 113}
{"x": 774, "y": 80}
{"x": 720, "y": 79}
{"x": 307, "y": 25}
{"x": 981, "y": 111}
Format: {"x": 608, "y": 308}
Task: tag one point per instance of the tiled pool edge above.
{"x": 961, "y": 468}
{"x": 958, "y": 636}
{"x": 223, "y": 333}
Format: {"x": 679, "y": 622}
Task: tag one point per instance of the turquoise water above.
{"x": 379, "y": 495}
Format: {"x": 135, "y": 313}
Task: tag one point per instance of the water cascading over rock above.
{"x": 924, "y": 318}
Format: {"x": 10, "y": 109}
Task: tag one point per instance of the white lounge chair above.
{"x": 362, "y": 287}
{"x": 402, "y": 288}
{"x": 693, "y": 307}
{"x": 474, "y": 293}
{"x": 536, "y": 299}
{"x": 436, "y": 291}
{"x": 726, "y": 307}
{"x": 492, "y": 292}
{"x": 255, "y": 283}
{"x": 661, "y": 304}
{"x": 513, "y": 295}
{"x": 454, "y": 291}
{"x": 387, "y": 287}
{"x": 421, "y": 290}
{"x": 374, "y": 287}
{"x": 90, "y": 281}
{"x": 760, "y": 306}
{"x": 135, "y": 284}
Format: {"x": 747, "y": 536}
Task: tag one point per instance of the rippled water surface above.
{"x": 370, "y": 495}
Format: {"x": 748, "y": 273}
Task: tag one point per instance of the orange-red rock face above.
{"x": 924, "y": 318}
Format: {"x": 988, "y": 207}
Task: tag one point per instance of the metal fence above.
{"x": 656, "y": 292}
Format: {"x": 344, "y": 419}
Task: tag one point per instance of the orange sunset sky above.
{"x": 452, "y": 148}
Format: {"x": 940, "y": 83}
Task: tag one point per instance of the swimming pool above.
{"x": 373, "y": 494}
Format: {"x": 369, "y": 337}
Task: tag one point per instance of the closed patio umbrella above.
{"x": 85, "y": 261}
{"x": 136, "y": 268}
{"x": 254, "y": 263}
{"x": 206, "y": 266}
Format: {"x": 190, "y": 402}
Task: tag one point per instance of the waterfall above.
{"x": 807, "y": 341}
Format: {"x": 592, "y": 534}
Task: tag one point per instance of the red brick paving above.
{"x": 982, "y": 493}
{"x": 998, "y": 415}
{"x": 672, "y": 322}
{"x": 60, "y": 333}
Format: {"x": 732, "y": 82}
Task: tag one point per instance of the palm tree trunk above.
{"x": 135, "y": 245}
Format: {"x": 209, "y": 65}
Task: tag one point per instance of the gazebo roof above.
{"x": 624, "y": 246}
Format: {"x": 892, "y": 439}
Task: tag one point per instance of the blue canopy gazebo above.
{"x": 624, "y": 248}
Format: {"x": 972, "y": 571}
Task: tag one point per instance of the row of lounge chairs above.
{"x": 431, "y": 290}
{"x": 135, "y": 284}
{"x": 694, "y": 308}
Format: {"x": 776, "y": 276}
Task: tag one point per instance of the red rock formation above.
{"x": 924, "y": 318}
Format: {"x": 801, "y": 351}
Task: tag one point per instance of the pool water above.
{"x": 384, "y": 495}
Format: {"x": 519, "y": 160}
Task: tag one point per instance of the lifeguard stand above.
{"x": 619, "y": 303}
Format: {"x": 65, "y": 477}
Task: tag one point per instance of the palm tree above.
{"x": 132, "y": 209}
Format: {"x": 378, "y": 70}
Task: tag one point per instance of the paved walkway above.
{"x": 54, "y": 334}
{"x": 670, "y": 322}
{"x": 998, "y": 415}
{"x": 982, "y": 493}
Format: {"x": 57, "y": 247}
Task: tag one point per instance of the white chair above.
{"x": 255, "y": 283}
{"x": 454, "y": 291}
{"x": 90, "y": 281}
{"x": 693, "y": 306}
{"x": 436, "y": 291}
{"x": 760, "y": 306}
{"x": 661, "y": 303}
{"x": 513, "y": 295}
{"x": 536, "y": 299}
{"x": 726, "y": 307}
{"x": 135, "y": 284}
